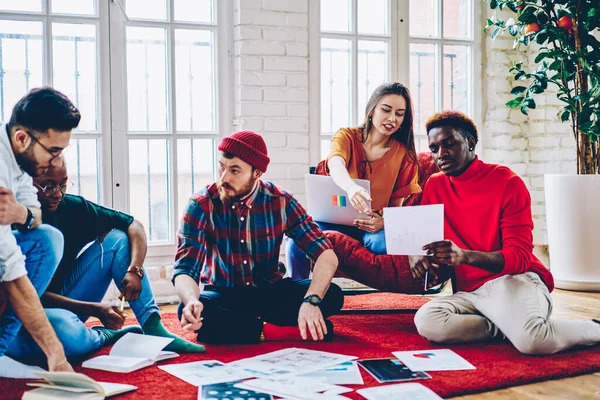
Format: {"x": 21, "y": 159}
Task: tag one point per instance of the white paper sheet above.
{"x": 140, "y": 346}
{"x": 342, "y": 374}
{"x": 206, "y": 372}
{"x": 401, "y": 391}
{"x": 408, "y": 229}
{"x": 10, "y": 368}
{"x": 284, "y": 363}
{"x": 294, "y": 388}
{"x": 433, "y": 360}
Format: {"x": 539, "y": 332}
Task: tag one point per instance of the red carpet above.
{"x": 498, "y": 364}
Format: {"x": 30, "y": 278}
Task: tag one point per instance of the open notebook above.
{"x": 70, "y": 385}
{"x": 132, "y": 352}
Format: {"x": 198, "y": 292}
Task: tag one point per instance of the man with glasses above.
{"x": 116, "y": 253}
{"x": 38, "y": 132}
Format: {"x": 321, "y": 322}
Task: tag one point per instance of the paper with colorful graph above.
{"x": 433, "y": 360}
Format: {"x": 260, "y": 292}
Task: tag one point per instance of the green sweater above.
{"x": 80, "y": 222}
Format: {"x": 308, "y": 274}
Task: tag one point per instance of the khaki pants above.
{"x": 516, "y": 306}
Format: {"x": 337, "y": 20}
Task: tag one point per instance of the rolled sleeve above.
{"x": 12, "y": 260}
{"x": 407, "y": 181}
{"x": 26, "y": 193}
{"x": 304, "y": 231}
{"x": 341, "y": 145}
{"x": 191, "y": 243}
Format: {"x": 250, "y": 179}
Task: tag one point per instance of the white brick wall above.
{"x": 271, "y": 81}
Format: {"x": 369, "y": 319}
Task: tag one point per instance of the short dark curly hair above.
{"x": 454, "y": 119}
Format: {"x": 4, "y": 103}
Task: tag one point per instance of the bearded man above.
{"x": 37, "y": 134}
{"x": 227, "y": 270}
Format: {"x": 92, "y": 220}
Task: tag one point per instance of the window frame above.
{"x": 163, "y": 252}
{"x": 100, "y": 21}
{"x": 400, "y": 60}
{"x": 111, "y": 98}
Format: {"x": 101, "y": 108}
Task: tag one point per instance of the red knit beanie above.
{"x": 247, "y": 146}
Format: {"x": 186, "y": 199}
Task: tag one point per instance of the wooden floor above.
{"x": 568, "y": 305}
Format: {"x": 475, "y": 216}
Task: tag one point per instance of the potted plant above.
{"x": 565, "y": 34}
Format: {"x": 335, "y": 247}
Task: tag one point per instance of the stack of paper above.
{"x": 132, "y": 352}
{"x": 206, "y": 372}
{"x": 289, "y": 362}
{"x": 346, "y": 373}
{"x": 70, "y": 385}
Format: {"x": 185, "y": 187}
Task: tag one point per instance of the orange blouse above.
{"x": 393, "y": 176}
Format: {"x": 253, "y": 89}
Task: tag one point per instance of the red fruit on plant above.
{"x": 520, "y": 6}
{"x": 531, "y": 28}
{"x": 565, "y": 22}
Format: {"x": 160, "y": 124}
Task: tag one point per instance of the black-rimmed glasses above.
{"x": 55, "y": 154}
{"x": 49, "y": 190}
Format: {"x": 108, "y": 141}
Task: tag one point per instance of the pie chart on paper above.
{"x": 423, "y": 355}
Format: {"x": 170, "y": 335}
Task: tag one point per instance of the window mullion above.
{"x": 171, "y": 90}
{"x": 440, "y": 56}
{"x": 48, "y": 78}
{"x": 118, "y": 105}
{"x": 354, "y": 66}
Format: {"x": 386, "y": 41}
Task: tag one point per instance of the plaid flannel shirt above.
{"x": 238, "y": 244}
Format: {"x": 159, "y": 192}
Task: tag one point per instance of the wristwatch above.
{"x": 139, "y": 271}
{"x": 313, "y": 299}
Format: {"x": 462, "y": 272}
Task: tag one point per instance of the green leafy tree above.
{"x": 565, "y": 32}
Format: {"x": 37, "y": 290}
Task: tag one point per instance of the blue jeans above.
{"x": 100, "y": 264}
{"x": 299, "y": 265}
{"x": 43, "y": 249}
{"x": 89, "y": 280}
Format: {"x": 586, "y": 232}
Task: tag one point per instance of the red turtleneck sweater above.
{"x": 487, "y": 208}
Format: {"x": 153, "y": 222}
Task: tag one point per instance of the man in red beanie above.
{"x": 227, "y": 270}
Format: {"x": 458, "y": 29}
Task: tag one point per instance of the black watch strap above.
{"x": 28, "y": 222}
{"x": 313, "y": 299}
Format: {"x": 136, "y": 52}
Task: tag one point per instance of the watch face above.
{"x": 314, "y": 300}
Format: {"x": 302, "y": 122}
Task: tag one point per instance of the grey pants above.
{"x": 516, "y": 306}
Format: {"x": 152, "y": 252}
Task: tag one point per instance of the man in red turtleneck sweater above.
{"x": 503, "y": 289}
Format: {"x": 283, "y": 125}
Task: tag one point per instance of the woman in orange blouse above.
{"x": 381, "y": 150}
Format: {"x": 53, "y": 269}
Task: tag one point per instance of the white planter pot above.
{"x": 573, "y": 215}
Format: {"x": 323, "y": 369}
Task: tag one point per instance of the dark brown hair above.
{"x": 405, "y": 133}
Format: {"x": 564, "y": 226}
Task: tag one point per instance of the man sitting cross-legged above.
{"x": 227, "y": 273}
{"x": 504, "y": 290}
{"x": 117, "y": 252}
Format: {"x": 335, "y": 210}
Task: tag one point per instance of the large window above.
{"x": 356, "y": 47}
{"x": 144, "y": 75}
{"x": 441, "y": 66}
{"x": 50, "y": 43}
{"x": 425, "y": 44}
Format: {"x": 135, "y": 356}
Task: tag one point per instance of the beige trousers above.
{"x": 516, "y": 306}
